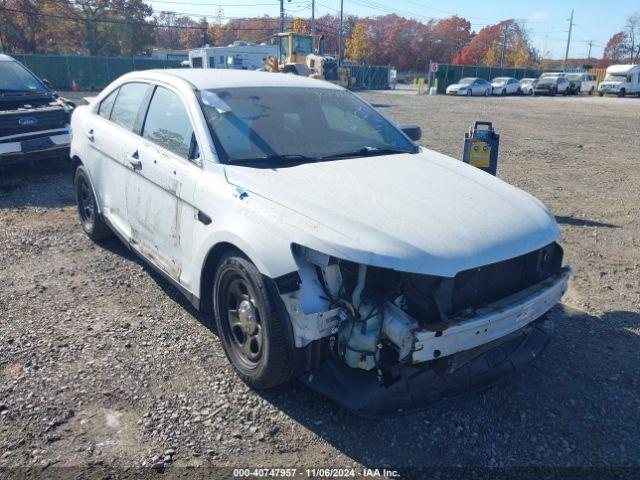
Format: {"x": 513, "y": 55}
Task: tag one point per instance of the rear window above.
{"x": 127, "y": 104}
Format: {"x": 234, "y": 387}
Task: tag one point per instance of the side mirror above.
{"x": 47, "y": 84}
{"x": 414, "y": 132}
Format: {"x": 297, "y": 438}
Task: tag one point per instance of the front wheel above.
{"x": 252, "y": 324}
{"x": 90, "y": 217}
{"x": 601, "y": 94}
{"x": 622, "y": 93}
{"x": 469, "y": 93}
{"x": 487, "y": 93}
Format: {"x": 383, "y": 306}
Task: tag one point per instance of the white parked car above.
{"x": 469, "y": 87}
{"x": 318, "y": 235}
{"x": 505, "y": 86}
{"x": 527, "y": 86}
{"x": 581, "y": 82}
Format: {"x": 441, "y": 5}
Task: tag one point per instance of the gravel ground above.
{"x": 103, "y": 363}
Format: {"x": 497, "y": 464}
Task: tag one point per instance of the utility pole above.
{"x": 313, "y": 19}
{"x": 590, "y": 45}
{"x": 340, "y": 34}
{"x": 566, "y": 53}
{"x": 504, "y": 45}
{"x": 281, "y": 16}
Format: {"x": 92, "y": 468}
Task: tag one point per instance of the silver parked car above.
{"x": 470, "y": 86}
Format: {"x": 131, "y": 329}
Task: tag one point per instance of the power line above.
{"x": 122, "y": 22}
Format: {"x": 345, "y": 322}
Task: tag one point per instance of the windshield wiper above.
{"x": 366, "y": 151}
{"x": 268, "y": 160}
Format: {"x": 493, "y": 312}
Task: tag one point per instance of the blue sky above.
{"x": 547, "y": 20}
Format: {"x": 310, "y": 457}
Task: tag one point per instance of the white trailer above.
{"x": 239, "y": 55}
{"x": 621, "y": 80}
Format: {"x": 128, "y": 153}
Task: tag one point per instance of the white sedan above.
{"x": 318, "y": 235}
{"x": 505, "y": 86}
{"x": 470, "y": 87}
{"x": 527, "y": 85}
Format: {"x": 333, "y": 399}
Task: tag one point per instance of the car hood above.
{"x": 459, "y": 85}
{"x": 423, "y": 213}
{"x": 498, "y": 84}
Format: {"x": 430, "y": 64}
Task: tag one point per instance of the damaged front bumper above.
{"x": 492, "y": 322}
{"x": 420, "y": 387}
{"x": 449, "y": 360}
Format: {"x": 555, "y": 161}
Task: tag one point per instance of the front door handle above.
{"x": 134, "y": 160}
{"x": 90, "y": 135}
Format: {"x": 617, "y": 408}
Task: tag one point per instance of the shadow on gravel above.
{"x": 581, "y": 222}
{"x": 49, "y": 187}
{"x": 571, "y": 400}
{"x": 114, "y": 245}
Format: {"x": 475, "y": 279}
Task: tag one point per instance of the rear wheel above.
{"x": 90, "y": 217}
{"x": 622, "y": 92}
{"x": 253, "y": 326}
{"x": 601, "y": 94}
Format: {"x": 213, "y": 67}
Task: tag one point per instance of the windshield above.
{"x": 15, "y": 78}
{"x": 300, "y": 125}
{"x": 467, "y": 80}
{"x": 615, "y": 77}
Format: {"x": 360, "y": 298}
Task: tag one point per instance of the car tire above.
{"x": 469, "y": 93}
{"x": 252, "y": 323}
{"x": 504, "y": 92}
{"x": 552, "y": 92}
{"x": 90, "y": 218}
{"x": 487, "y": 93}
{"x": 591, "y": 91}
{"x": 601, "y": 94}
{"x": 622, "y": 92}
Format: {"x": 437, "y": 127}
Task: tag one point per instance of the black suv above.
{"x": 34, "y": 121}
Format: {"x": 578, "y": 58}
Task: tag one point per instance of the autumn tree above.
{"x": 632, "y": 29}
{"x": 358, "y": 47}
{"x": 616, "y": 49}
{"x": 500, "y": 45}
{"x": 452, "y": 35}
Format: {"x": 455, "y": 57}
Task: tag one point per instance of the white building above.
{"x": 239, "y": 55}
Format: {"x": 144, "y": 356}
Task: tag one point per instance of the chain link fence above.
{"x": 87, "y": 73}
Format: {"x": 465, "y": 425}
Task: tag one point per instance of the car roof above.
{"x": 207, "y": 78}
{"x": 6, "y": 58}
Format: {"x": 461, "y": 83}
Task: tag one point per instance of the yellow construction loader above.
{"x": 296, "y": 56}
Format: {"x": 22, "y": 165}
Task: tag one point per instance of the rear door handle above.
{"x": 90, "y": 135}
{"x": 134, "y": 160}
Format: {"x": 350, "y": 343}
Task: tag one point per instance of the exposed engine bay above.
{"x": 380, "y": 320}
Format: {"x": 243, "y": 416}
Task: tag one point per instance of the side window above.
{"x": 168, "y": 124}
{"x": 125, "y": 109}
{"x": 107, "y": 104}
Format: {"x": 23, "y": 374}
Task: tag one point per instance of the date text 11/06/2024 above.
{"x": 314, "y": 473}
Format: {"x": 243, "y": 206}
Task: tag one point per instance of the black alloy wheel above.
{"x": 253, "y": 324}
